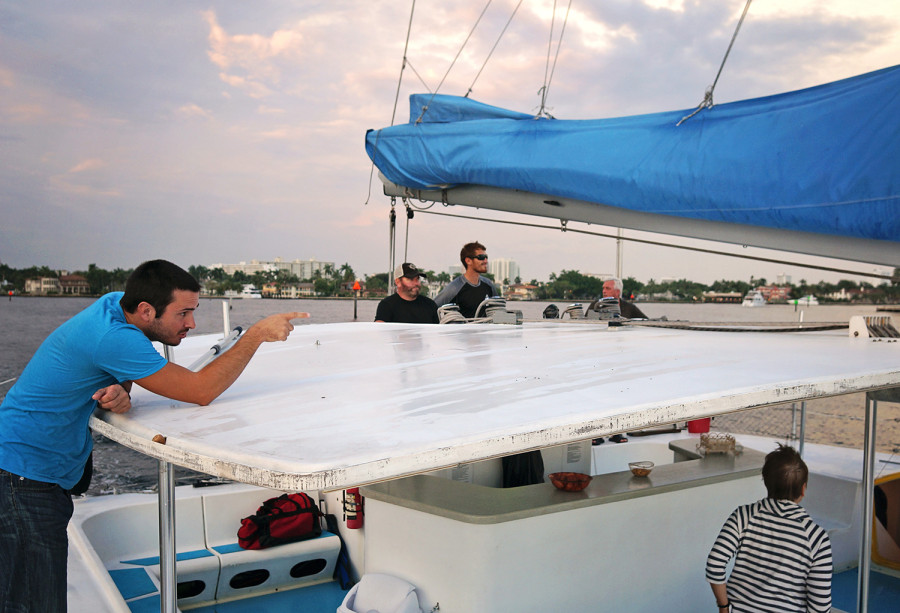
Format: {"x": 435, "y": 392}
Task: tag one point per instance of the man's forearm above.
{"x": 202, "y": 387}
{"x": 221, "y": 373}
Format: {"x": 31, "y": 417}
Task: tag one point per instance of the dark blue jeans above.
{"x": 33, "y": 545}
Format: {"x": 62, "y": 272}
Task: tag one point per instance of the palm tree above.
{"x": 346, "y": 272}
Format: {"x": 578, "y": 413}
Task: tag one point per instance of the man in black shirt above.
{"x": 407, "y": 305}
{"x": 469, "y": 289}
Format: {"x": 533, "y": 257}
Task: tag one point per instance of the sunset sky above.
{"x": 216, "y": 131}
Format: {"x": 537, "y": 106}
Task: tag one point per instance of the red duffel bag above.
{"x": 286, "y": 519}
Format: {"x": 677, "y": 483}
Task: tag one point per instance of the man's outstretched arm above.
{"x": 202, "y": 387}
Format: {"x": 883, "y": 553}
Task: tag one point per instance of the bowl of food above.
{"x": 641, "y": 469}
{"x": 570, "y": 482}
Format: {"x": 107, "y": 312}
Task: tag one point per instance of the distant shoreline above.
{"x": 895, "y": 308}
{"x": 879, "y": 307}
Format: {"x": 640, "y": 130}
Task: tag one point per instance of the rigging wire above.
{"x": 545, "y": 89}
{"x": 707, "y": 102}
{"x": 458, "y": 53}
{"x": 416, "y": 72}
{"x": 564, "y": 227}
{"x": 487, "y": 59}
{"x": 412, "y": 11}
{"x": 396, "y": 95}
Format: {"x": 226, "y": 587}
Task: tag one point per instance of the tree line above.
{"x": 567, "y": 285}
{"x": 572, "y": 285}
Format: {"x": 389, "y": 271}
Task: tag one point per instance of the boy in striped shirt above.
{"x": 782, "y": 557}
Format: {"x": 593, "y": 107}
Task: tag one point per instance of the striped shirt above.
{"x": 783, "y": 559}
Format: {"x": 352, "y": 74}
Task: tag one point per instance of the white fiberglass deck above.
{"x": 347, "y": 404}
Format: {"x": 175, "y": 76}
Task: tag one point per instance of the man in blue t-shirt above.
{"x": 91, "y": 361}
{"x": 469, "y": 289}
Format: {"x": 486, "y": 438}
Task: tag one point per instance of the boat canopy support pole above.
{"x": 868, "y": 494}
{"x": 226, "y": 317}
{"x": 802, "y": 426}
{"x": 167, "y": 585}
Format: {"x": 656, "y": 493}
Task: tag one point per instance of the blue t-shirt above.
{"x": 44, "y": 418}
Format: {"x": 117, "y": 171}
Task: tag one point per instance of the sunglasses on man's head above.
{"x": 480, "y": 256}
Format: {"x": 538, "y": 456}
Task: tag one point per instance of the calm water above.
{"x": 25, "y": 322}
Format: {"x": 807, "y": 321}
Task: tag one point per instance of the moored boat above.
{"x": 754, "y": 299}
{"x": 249, "y": 291}
{"x": 809, "y": 300}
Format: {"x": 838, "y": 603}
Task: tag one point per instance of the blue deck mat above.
{"x": 132, "y": 582}
{"x": 321, "y": 598}
{"x": 184, "y": 555}
{"x": 150, "y": 604}
{"x": 884, "y": 591}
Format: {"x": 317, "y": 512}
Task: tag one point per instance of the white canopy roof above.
{"x": 354, "y": 403}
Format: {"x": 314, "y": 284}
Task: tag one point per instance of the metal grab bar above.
{"x": 218, "y": 348}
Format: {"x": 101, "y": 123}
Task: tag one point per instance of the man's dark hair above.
{"x": 468, "y": 251}
{"x": 785, "y": 473}
{"x": 155, "y": 282}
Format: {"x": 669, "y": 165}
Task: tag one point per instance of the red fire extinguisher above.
{"x": 353, "y": 508}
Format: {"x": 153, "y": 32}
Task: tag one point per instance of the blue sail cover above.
{"x": 824, "y": 160}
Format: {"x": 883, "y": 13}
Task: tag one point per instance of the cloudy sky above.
{"x": 216, "y": 131}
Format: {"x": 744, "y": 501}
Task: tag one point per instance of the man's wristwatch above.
{"x": 727, "y": 605}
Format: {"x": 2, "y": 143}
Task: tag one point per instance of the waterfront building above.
{"x": 74, "y": 285}
{"x": 304, "y": 269}
{"x": 43, "y": 286}
{"x": 520, "y": 291}
{"x": 783, "y": 279}
{"x": 250, "y": 268}
{"x": 723, "y": 297}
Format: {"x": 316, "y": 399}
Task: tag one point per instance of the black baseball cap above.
{"x": 409, "y": 270}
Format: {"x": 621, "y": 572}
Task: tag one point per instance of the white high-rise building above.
{"x": 504, "y": 269}
{"x": 304, "y": 269}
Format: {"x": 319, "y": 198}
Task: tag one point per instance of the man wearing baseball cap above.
{"x": 406, "y": 305}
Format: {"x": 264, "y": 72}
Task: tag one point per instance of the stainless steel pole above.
{"x": 167, "y": 584}
{"x": 226, "y": 316}
{"x": 794, "y": 421}
{"x": 802, "y": 427}
{"x": 868, "y": 493}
